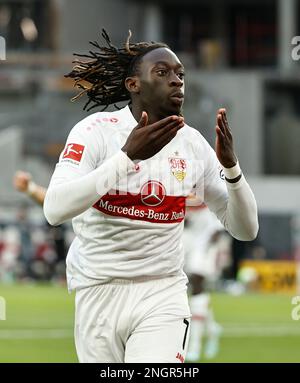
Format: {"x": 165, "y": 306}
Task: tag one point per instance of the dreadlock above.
{"x": 102, "y": 76}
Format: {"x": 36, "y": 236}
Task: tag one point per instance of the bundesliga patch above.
{"x": 73, "y": 152}
{"x": 178, "y": 168}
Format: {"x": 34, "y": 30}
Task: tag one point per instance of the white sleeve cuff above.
{"x": 31, "y": 189}
{"x": 233, "y": 172}
{"x": 112, "y": 171}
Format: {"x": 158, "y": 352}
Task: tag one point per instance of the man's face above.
{"x": 161, "y": 76}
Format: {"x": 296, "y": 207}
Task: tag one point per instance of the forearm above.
{"x": 240, "y": 214}
{"x": 66, "y": 199}
{"x": 36, "y": 192}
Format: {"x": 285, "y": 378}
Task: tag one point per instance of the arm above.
{"x": 70, "y": 193}
{"x": 76, "y": 187}
{"x": 23, "y": 182}
{"x": 231, "y": 200}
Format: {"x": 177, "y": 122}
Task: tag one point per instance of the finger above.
{"x": 175, "y": 129}
{"x": 224, "y": 116}
{"x": 168, "y": 128}
{"x": 143, "y": 120}
{"x": 169, "y": 134}
{"x": 169, "y": 137}
{"x": 223, "y": 112}
{"x": 220, "y": 124}
{"x": 220, "y": 133}
{"x": 165, "y": 121}
{"x": 224, "y": 122}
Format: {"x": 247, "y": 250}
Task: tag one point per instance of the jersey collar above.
{"x": 128, "y": 116}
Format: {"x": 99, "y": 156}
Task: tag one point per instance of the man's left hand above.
{"x": 224, "y": 142}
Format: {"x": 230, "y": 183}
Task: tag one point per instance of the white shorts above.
{"x": 133, "y": 322}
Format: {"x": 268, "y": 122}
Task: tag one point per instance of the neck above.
{"x": 137, "y": 110}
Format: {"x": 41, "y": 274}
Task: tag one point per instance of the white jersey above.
{"x": 129, "y": 216}
{"x": 201, "y": 253}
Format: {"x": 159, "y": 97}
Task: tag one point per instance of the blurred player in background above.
{"x": 24, "y": 183}
{"x": 126, "y": 262}
{"x": 205, "y": 246}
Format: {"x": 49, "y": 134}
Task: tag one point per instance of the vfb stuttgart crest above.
{"x": 178, "y": 168}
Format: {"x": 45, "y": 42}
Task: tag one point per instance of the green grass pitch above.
{"x": 40, "y": 318}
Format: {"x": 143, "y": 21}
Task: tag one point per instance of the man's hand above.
{"x": 146, "y": 140}
{"x": 21, "y": 181}
{"x": 224, "y": 143}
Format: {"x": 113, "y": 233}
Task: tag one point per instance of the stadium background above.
{"x": 238, "y": 54}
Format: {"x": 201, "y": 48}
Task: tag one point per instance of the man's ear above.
{"x": 132, "y": 84}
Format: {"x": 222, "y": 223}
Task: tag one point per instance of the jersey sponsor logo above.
{"x": 130, "y": 205}
{"x": 73, "y": 152}
{"x": 178, "y": 167}
{"x": 153, "y": 193}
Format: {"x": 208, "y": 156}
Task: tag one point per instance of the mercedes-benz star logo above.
{"x": 153, "y": 193}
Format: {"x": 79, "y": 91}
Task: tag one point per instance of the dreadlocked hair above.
{"x": 102, "y": 77}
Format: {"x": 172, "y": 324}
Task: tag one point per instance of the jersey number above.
{"x": 187, "y": 323}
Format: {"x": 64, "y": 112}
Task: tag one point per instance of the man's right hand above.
{"x": 146, "y": 140}
{"x": 21, "y": 181}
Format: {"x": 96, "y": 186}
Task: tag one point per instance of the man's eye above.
{"x": 161, "y": 72}
{"x": 181, "y": 75}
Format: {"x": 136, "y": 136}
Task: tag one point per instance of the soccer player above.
{"x": 204, "y": 244}
{"x": 24, "y": 183}
{"x": 123, "y": 178}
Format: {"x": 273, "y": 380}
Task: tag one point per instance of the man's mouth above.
{"x": 177, "y": 97}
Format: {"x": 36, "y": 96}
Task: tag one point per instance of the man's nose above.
{"x": 175, "y": 80}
